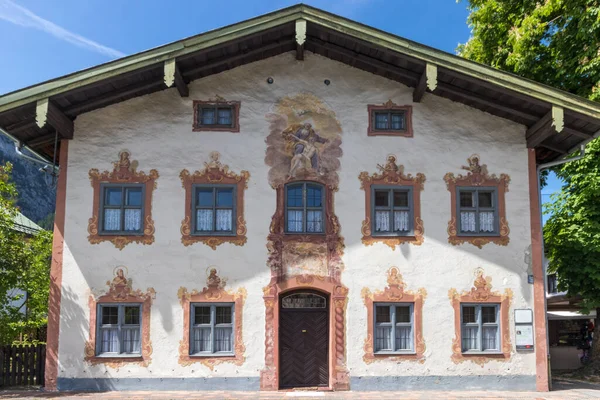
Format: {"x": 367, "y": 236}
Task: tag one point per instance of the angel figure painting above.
{"x": 304, "y": 141}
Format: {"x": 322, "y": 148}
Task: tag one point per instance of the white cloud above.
{"x": 21, "y": 16}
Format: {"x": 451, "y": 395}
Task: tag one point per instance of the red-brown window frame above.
{"x": 235, "y": 117}
{"x": 390, "y": 107}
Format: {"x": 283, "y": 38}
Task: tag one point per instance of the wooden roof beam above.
{"x": 428, "y": 80}
{"x": 172, "y": 76}
{"x": 42, "y": 140}
{"x": 552, "y": 122}
{"x": 300, "y": 38}
{"x": 20, "y": 126}
{"x": 47, "y": 113}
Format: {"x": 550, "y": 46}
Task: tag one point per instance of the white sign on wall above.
{"x": 524, "y": 329}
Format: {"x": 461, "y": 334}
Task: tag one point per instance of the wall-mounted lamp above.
{"x": 269, "y": 80}
{"x": 327, "y": 82}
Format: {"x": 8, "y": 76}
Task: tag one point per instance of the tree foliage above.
{"x": 24, "y": 269}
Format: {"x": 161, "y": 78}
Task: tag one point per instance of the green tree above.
{"x": 24, "y": 268}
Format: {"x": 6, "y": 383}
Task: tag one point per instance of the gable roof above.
{"x": 25, "y": 225}
{"x": 57, "y": 102}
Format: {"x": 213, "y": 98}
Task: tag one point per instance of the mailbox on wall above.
{"x": 524, "y": 329}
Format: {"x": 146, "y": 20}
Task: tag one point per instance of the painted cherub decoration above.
{"x": 304, "y": 140}
{"x": 120, "y": 287}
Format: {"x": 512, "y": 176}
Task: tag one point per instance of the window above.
{"x": 392, "y": 211}
{"x": 304, "y": 208}
{"x": 480, "y": 327}
{"x": 390, "y": 119}
{"x": 216, "y": 116}
{"x": 478, "y": 211}
{"x": 122, "y": 209}
{"x": 214, "y": 209}
{"x": 211, "y": 328}
{"x": 393, "y": 328}
{"x": 119, "y": 329}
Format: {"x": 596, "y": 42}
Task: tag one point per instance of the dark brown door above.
{"x": 303, "y": 340}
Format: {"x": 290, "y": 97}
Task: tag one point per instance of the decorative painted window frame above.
{"x": 214, "y": 292}
{"x": 392, "y": 174}
{"x": 234, "y": 105}
{"x": 120, "y": 291}
{"x": 124, "y": 172}
{"x": 214, "y": 173}
{"x": 391, "y": 106}
{"x": 478, "y": 176}
{"x": 395, "y": 293}
{"x": 481, "y": 293}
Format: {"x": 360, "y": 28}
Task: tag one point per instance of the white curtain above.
{"x": 382, "y": 221}
{"x": 223, "y": 339}
{"x": 131, "y": 340}
{"x": 208, "y": 116}
{"x": 490, "y": 338}
{"x": 224, "y": 220}
{"x": 383, "y": 338}
{"x": 401, "y": 221}
{"x": 294, "y": 221}
{"x": 133, "y": 219}
{"x": 403, "y": 338}
{"x": 467, "y": 221}
{"x": 110, "y": 340}
{"x": 112, "y": 219}
{"x": 486, "y": 221}
{"x": 397, "y": 122}
{"x": 469, "y": 338}
{"x": 224, "y": 117}
{"x": 201, "y": 340}
{"x": 381, "y": 121}
{"x": 204, "y": 220}
{"x": 314, "y": 221}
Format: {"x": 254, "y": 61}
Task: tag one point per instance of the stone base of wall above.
{"x": 171, "y": 384}
{"x": 432, "y": 382}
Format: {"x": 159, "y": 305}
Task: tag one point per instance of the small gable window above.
{"x": 390, "y": 119}
{"x": 216, "y": 116}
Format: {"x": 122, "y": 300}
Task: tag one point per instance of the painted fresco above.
{"x": 305, "y": 258}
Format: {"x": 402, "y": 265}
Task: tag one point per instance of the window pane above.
{"x": 381, "y": 120}
{"x": 208, "y": 116}
{"x": 201, "y": 340}
{"x": 131, "y": 340}
{"x": 314, "y": 221}
{"x": 382, "y": 314}
{"x": 204, "y": 220}
{"x": 201, "y": 315}
{"x": 383, "y": 338}
{"x": 112, "y": 196}
{"x": 224, "y": 116}
{"x": 466, "y": 199}
{"x": 223, "y": 338}
{"x": 225, "y": 197}
{"x": 294, "y": 221}
{"x": 402, "y": 314}
{"x": 400, "y": 198}
{"x": 469, "y": 338}
{"x": 467, "y": 221}
{"x": 382, "y": 198}
{"x": 112, "y": 219}
{"x": 205, "y": 197}
{"x": 224, "y": 220}
{"x": 490, "y": 338}
{"x": 313, "y": 196}
{"x": 382, "y": 221}
{"x": 294, "y": 196}
{"x": 134, "y": 197}
{"x": 486, "y": 221}
{"x": 132, "y": 315}
{"x": 401, "y": 221}
{"x": 403, "y": 341}
{"x": 485, "y": 199}
{"x": 133, "y": 219}
{"x": 223, "y": 315}
{"x": 110, "y": 340}
{"x": 468, "y": 315}
{"x": 488, "y": 315}
{"x": 398, "y": 121}
{"x": 110, "y": 315}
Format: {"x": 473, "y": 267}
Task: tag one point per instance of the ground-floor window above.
{"x": 480, "y": 327}
{"x": 211, "y": 329}
{"x": 119, "y": 329}
{"x": 393, "y": 327}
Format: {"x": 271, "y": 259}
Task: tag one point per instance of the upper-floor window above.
{"x": 214, "y": 209}
{"x": 216, "y": 116}
{"x": 212, "y": 328}
{"x": 392, "y": 210}
{"x": 119, "y": 329}
{"x": 390, "y": 119}
{"x": 478, "y": 211}
{"x": 393, "y": 327}
{"x": 304, "y": 207}
{"x": 480, "y": 327}
{"x": 122, "y": 209}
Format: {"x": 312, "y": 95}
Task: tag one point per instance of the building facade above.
{"x": 295, "y": 221}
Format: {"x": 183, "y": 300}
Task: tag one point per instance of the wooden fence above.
{"x": 22, "y": 365}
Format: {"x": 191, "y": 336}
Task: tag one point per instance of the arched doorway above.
{"x": 304, "y": 339}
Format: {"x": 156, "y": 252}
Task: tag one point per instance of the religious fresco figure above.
{"x": 306, "y": 153}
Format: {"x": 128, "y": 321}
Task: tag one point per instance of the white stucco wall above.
{"x": 156, "y": 129}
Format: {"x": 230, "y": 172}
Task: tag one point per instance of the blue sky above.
{"x": 44, "y": 39}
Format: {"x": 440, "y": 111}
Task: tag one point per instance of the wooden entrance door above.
{"x": 303, "y": 340}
